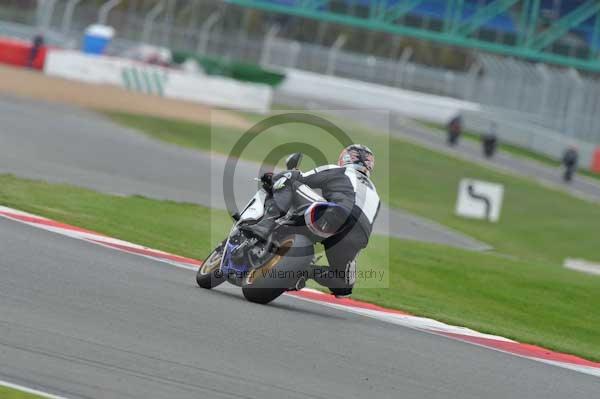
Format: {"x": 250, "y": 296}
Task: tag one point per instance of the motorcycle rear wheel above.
{"x": 264, "y": 284}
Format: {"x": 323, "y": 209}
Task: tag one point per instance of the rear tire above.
{"x": 261, "y": 296}
{"x": 264, "y": 284}
{"x": 209, "y": 275}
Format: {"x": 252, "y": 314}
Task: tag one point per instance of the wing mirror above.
{"x": 293, "y": 161}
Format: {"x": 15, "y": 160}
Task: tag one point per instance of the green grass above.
{"x": 537, "y": 223}
{"x": 531, "y": 301}
{"x": 184, "y": 229}
{"x": 511, "y": 149}
{"x": 9, "y": 393}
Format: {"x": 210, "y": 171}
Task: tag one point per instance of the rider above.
{"x": 344, "y": 223}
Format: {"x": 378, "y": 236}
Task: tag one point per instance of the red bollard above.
{"x": 596, "y": 161}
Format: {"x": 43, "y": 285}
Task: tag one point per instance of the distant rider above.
{"x": 344, "y": 223}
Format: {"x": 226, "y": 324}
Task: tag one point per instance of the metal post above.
{"x": 321, "y": 30}
{"x": 395, "y": 47}
{"x": 131, "y": 23}
{"x": 402, "y": 63}
{"x": 574, "y": 102}
{"x": 472, "y": 77}
{"x": 446, "y": 90}
{"x": 294, "y": 53}
{"x": 371, "y": 65}
{"x": 333, "y": 52}
{"x": 265, "y": 56}
{"x": 205, "y": 31}
{"x": 542, "y": 72}
{"x": 169, "y": 21}
{"x": 192, "y": 22}
{"x": 68, "y": 15}
{"x": 243, "y": 30}
{"x": 149, "y": 20}
{"x": 40, "y": 11}
{"x": 44, "y": 12}
{"x": 106, "y": 9}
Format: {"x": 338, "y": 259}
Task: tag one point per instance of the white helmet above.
{"x": 359, "y": 157}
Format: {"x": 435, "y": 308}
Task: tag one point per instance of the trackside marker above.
{"x": 391, "y": 316}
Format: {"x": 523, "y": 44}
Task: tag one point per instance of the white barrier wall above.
{"x": 357, "y": 94}
{"x": 150, "y": 79}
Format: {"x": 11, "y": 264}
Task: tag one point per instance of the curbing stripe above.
{"x": 97, "y": 238}
{"x": 392, "y": 316}
{"x": 463, "y": 334}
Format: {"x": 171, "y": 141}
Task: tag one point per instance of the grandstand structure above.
{"x": 530, "y": 29}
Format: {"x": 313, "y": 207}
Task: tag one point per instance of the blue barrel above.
{"x": 97, "y": 38}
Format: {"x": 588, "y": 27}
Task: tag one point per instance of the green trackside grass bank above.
{"x": 529, "y": 300}
{"x": 9, "y": 393}
{"x": 537, "y": 224}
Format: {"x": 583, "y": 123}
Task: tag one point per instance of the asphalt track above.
{"x": 84, "y": 321}
{"x": 64, "y": 144}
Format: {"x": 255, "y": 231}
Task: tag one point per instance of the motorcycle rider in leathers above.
{"x": 344, "y": 223}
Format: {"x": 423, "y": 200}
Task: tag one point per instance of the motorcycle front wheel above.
{"x": 209, "y": 275}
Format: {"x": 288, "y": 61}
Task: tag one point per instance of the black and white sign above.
{"x": 479, "y": 200}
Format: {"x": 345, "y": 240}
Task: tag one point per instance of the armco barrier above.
{"x": 17, "y": 52}
{"x": 157, "y": 80}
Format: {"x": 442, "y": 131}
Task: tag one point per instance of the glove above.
{"x": 267, "y": 181}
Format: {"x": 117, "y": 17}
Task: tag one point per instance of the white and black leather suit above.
{"x": 359, "y": 205}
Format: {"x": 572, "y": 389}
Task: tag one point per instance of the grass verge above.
{"x": 10, "y": 393}
{"x": 537, "y": 223}
{"x": 530, "y": 301}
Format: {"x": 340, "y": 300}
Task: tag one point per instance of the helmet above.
{"x": 359, "y": 157}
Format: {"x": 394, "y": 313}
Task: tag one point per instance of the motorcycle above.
{"x": 264, "y": 268}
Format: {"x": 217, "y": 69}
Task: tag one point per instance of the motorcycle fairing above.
{"x": 255, "y": 208}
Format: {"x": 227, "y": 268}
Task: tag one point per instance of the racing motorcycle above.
{"x": 265, "y": 268}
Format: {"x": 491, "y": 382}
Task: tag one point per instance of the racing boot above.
{"x": 326, "y": 277}
{"x": 341, "y": 293}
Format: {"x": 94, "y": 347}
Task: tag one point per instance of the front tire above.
{"x": 209, "y": 275}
